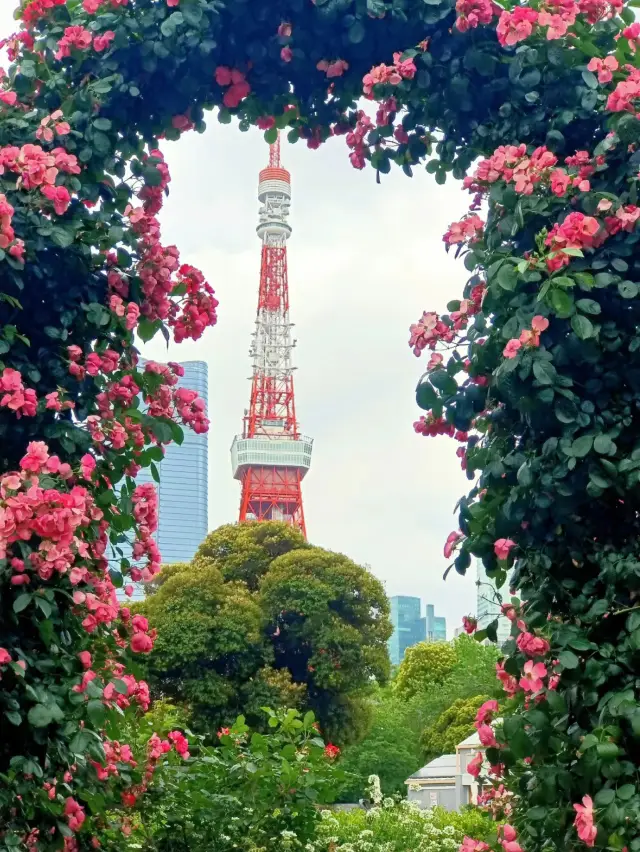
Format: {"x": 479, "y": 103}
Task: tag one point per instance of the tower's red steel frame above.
{"x": 271, "y": 457}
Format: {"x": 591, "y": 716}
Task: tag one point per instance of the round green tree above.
{"x": 262, "y": 618}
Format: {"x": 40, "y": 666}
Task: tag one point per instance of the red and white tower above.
{"x": 271, "y": 457}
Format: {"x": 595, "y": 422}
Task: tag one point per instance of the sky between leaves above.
{"x": 364, "y": 262}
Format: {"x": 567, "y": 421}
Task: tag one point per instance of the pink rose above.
{"x": 502, "y": 547}
{"x": 531, "y": 680}
{"x": 583, "y": 822}
{"x": 141, "y": 643}
{"x": 512, "y": 347}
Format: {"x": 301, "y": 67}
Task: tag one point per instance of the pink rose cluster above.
{"x": 81, "y": 39}
{"x": 14, "y": 396}
{"x": 8, "y": 241}
{"x": 472, "y": 13}
{"x": 556, "y": 16}
{"x": 235, "y": 83}
{"x": 512, "y": 164}
{"x": 37, "y": 9}
{"x": 161, "y": 273}
{"x": 529, "y": 338}
{"x": 37, "y": 168}
{"x": 430, "y": 330}
{"x": 333, "y": 68}
{"x": 402, "y": 69}
{"x": 430, "y": 426}
{"x": 52, "y": 125}
{"x": 356, "y": 140}
{"x": 468, "y": 230}
{"x": 484, "y": 718}
{"x": 93, "y": 6}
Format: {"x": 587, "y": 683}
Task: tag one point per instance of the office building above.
{"x": 488, "y": 603}
{"x": 183, "y": 487}
{"x": 436, "y": 625}
{"x": 410, "y": 627}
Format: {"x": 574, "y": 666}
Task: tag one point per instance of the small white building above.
{"x": 445, "y": 780}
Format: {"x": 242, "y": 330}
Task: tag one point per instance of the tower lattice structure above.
{"x": 271, "y": 457}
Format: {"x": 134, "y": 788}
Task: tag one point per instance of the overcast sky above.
{"x": 364, "y": 262}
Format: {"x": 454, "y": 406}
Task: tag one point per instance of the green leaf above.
{"x": 588, "y": 306}
{"x": 97, "y": 712}
{"x": 626, "y": 792}
{"x": 39, "y": 716}
{"x": 441, "y": 380}
{"x": 582, "y": 446}
{"x": 101, "y": 142}
{"x": 590, "y": 79}
{"x": 152, "y": 176}
{"x": 192, "y": 14}
{"x": 569, "y": 660}
{"x": 627, "y": 289}
{"x": 582, "y": 326}
{"x": 147, "y": 329}
{"x": 604, "y": 445}
{"x": 102, "y": 124}
{"x": 356, "y": 32}
{"x": 22, "y": 601}
{"x": 507, "y": 277}
{"x": 168, "y": 26}
{"x": 426, "y": 397}
{"x": 607, "y": 751}
{"x": 545, "y": 372}
{"x": 604, "y": 797}
{"x": 524, "y": 475}
{"x": 561, "y": 302}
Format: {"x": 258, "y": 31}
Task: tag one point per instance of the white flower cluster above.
{"x": 391, "y": 825}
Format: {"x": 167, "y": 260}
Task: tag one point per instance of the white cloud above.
{"x": 364, "y": 261}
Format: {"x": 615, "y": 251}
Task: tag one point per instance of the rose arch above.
{"x": 535, "y": 369}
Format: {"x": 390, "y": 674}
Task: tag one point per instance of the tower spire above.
{"x": 271, "y": 457}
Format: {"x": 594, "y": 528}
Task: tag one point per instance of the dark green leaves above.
{"x": 544, "y": 371}
{"x": 22, "y": 601}
{"x": 170, "y": 24}
{"x": 582, "y": 446}
{"x": 40, "y": 716}
{"x": 569, "y": 660}
{"x": 582, "y": 326}
{"x": 628, "y": 289}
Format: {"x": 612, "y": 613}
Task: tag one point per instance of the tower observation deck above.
{"x": 271, "y": 457}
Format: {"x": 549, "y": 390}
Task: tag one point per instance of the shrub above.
{"x": 395, "y": 825}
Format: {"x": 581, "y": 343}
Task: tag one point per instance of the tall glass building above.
{"x": 487, "y": 606}
{"x": 183, "y": 487}
{"x": 410, "y": 627}
{"x": 436, "y": 625}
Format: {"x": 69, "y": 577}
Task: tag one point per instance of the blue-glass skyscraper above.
{"x": 409, "y": 627}
{"x": 436, "y": 625}
{"x": 183, "y": 488}
{"x": 182, "y": 492}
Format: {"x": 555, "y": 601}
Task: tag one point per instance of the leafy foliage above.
{"x": 451, "y": 727}
{"x": 260, "y": 617}
{"x": 246, "y": 794}
{"x": 393, "y": 749}
{"x": 396, "y": 825}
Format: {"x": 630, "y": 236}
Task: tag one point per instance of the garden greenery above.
{"x": 535, "y": 370}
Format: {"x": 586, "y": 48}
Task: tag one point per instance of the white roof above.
{"x": 441, "y": 767}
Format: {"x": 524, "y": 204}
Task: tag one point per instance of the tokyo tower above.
{"x": 271, "y": 457}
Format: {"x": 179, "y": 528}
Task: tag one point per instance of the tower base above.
{"x": 272, "y": 494}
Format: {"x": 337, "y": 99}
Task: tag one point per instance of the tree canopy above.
{"x": 260, "y": 617}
